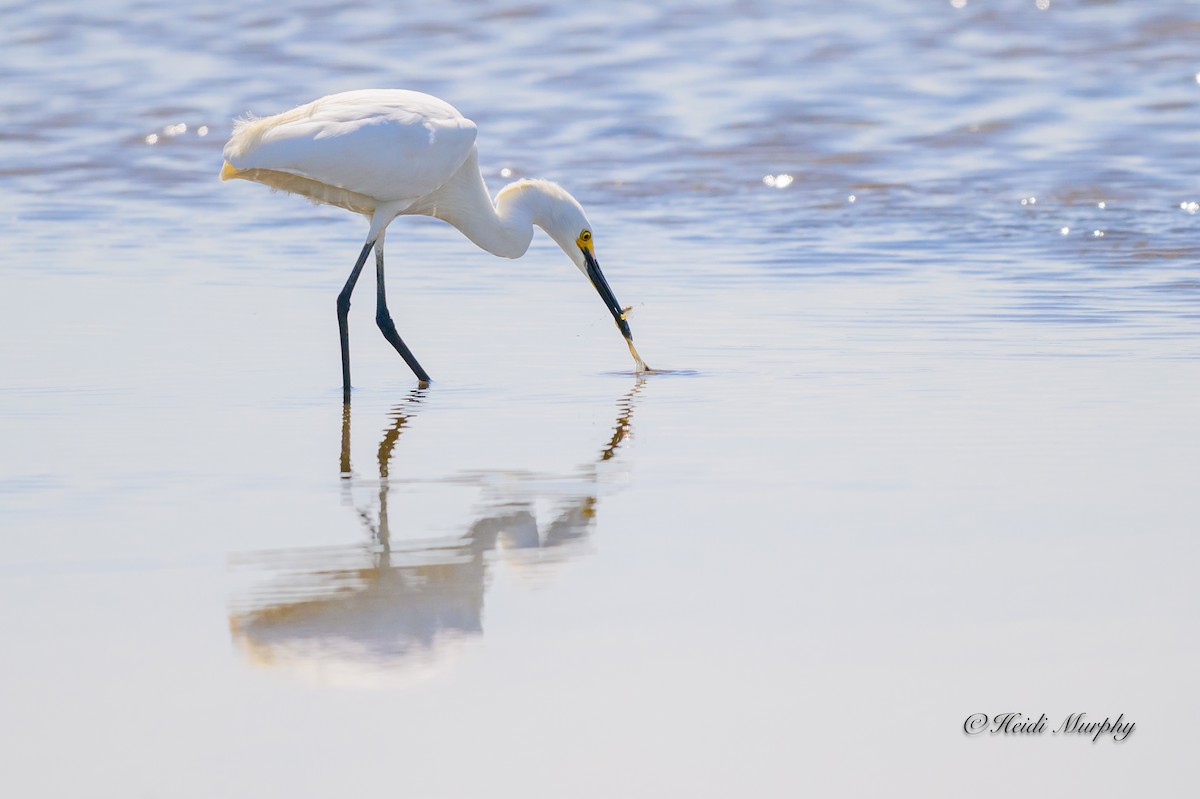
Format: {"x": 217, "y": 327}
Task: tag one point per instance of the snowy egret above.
{"x": 387, "y": 152}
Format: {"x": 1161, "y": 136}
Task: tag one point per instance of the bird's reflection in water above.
{"x": 385, "y": 611}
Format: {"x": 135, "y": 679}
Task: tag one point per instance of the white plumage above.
{"x": 344, "y": 141}
{"x": 387, "y": 152}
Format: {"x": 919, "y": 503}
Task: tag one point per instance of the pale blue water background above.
{"x": 930, "y": 454}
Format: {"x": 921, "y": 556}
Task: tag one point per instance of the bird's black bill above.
{"x": 606, "y": 294}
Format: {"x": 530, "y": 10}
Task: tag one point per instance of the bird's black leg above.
{"x": 387, "y": 326}
{"x": 343, "y": 309}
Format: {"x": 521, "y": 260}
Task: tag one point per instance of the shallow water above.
{"x": 926, "y": 282}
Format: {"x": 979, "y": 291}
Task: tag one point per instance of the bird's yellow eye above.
{"x": 585, "y": 240}
{"x": 586, "y": 235}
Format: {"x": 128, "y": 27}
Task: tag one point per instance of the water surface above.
{"x": 927, "y": 273}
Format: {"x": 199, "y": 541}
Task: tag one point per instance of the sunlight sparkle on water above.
{"x": 778, "y": 181}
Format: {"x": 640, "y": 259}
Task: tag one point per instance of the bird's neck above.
{"x": 463, "y": 201}
{"x": 503, "y": 227}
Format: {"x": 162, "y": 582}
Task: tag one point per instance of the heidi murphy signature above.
{"x": 1074, "y": 724}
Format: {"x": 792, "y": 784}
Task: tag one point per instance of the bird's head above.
{"x": 563, "y": 219}
{"x": 554, "y": 210}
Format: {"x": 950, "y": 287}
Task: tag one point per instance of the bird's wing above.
{"x": 385, "y": 144}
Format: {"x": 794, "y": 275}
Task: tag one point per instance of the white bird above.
{"x": 387, "y": 152}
